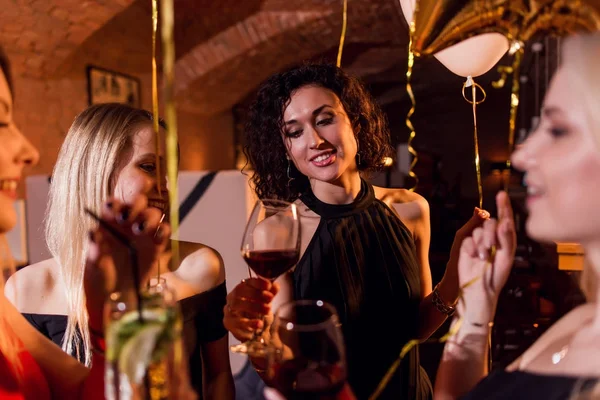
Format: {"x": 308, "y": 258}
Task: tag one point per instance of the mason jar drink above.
{"x": 143, "y": 354}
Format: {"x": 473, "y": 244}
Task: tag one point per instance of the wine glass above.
{"x": 306, "y": 357}
{"x": 270, "y": 247}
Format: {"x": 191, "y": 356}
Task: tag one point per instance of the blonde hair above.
{"x": 84, "y": 176}
{"x": 580, "y": 57}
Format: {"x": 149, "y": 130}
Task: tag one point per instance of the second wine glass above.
{"x": 270, "y": 247}
{"x": 306, "y": 358}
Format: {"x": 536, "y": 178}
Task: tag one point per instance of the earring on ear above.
{"x": 357, "y": 154}
{"x": 289, "y": 172}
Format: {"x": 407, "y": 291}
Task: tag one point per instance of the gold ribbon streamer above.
{"x": 155, "y": 115}
{"x": 343, "y": 35}
{"x": 168, "y": 42}
{"x": 474, "y": 86}
{"x": 411, "y": 137}
{"x": 503, "y": 70}
{"x": 514, "y": 105}
{"x": 451, "y": 332}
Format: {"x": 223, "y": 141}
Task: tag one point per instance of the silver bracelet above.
{"x": 439, "y": 303}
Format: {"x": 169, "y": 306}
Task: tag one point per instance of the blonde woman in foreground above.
{"x": 110, "y": 150}
{"x": 562, "y": 162}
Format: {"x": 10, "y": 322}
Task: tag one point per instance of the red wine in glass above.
{"x": 300, "y": 379}
{"x": 271, "y": 247}
{"x": 270, "y": 264}
{"x": 306, "y": 359}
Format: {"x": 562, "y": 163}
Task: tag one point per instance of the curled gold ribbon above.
{"x": 168, "y": 42}
{"x": 343, "y": 34}
{"x": 451, "y": 332}
{"x": 503, "y": 70}
{"x": 474, "y": 86}
{"x": 411, "y": 137}
{"x": 514, "y": 105}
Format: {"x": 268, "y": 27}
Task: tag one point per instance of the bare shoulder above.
{"x": 569, "y": 325}
{"x": 34, "y": 289}
{"x": 411, "y": 207}
{"x": 403, "y": 198}
{"x": 201, "y": 266}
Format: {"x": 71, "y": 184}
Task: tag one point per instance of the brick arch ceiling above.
{"x": 226, "y": 48}
{"x": 41, "y": 34}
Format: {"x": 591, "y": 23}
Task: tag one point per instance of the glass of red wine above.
{"x": 306, "y": 357}
{"x": 270, "y": 247}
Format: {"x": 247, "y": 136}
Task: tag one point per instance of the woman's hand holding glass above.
{"x": 247, "y": 304}
{"x": 271, "y": 247}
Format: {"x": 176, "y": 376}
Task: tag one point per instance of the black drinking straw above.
{"x": 132, "y": 255}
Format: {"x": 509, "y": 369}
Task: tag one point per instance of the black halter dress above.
{"x": 362, "y": 259}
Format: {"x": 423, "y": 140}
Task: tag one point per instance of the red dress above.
{"x": 33, "y": 384}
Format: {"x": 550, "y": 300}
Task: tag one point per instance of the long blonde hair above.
{"x": 84, "y": 176}
{"x": 581, "y": 56}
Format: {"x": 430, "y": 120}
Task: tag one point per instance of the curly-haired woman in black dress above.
{"x": 312, "y": 132}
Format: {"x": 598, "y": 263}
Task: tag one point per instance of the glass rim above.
{"x": 332, "y": 318}
{"x": 277, "y": 206}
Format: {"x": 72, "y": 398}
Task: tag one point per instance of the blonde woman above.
{"x": 110, "y": 151}
{"x": 31, "y": 366}
{"x": 562, "y": 162}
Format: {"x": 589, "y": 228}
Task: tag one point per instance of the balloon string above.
{"x": 474, "y": 102}
{"x": 343, "y": 35}
{"x": 167, "y": 18}
{"x": 514, "y": 106}
{"x": 155, "y": 115}
{"x": 411, "y": 137}
{"x": 454, "y": 328}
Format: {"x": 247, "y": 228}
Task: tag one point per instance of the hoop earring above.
{"x": 289, "y": 173}
{"x": 357, "y": 159}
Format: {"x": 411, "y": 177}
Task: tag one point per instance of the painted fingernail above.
{"x": 123, "y": 215}
{"x": 139, "y": 227}
{"x": 482, "y": 256}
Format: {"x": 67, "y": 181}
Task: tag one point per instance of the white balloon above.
{"x": 471, "y": 57}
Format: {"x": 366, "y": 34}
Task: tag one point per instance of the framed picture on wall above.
{"x": 106, "y": 86}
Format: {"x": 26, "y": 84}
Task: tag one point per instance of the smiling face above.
{"x": 16, "y": 152}
{"x": 562, "y": 163}
{"x": 138, "y": 170}
{"x": 318, "y": 135}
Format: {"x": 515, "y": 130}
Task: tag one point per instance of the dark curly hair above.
{"x": 265, "y": 149}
